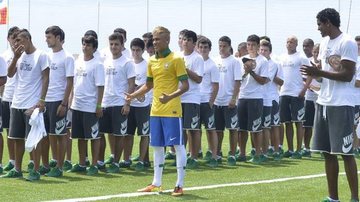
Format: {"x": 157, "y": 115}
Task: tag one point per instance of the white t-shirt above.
{"x": 293, "y": 80}
{"x": 273, "y": 87}
{"x": 10, "y": 84}
{"x": 268, "y": 94}
{"x": 117, "y": 73}
{"x": 140, "y": 79}
{"x": 195, "y": 63}
{"x": 87, "y": 77}
{"x": 61, "y": 67}
{"x": 310, "y": 94}
{"x": 29, "y": 79}
{"x": 337, "y": 93}
{"x": 230, "y": 71}
{"x": 211, "y": 75}
{"x": 3, "y": 67}
{"x": 250, "y": 88}
{"x": 357, "y": 89}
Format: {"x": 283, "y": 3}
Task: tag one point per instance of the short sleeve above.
{"x": 99, "y": 75}
{"x": 69, "y": 66}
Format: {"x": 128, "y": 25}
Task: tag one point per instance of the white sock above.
{"x": 101, "y": 163}
{"x": 31, "y": 161}
{"x": 12, "y": 161}
{"x": 54, "y": 160}
{"x": 0, "y": 165}
{"x": 112, "y": 155}
{"x": 180, "y": 164}
{"x": 159, "y": 161}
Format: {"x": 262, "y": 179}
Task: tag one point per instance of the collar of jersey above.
{"x": 162, "y": 54}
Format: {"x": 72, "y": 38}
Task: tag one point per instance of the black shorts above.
{"x": 250, "y": 114}
{"x": 275, "y": 114}
{"x": 226, "y": 117}
{"x": 113, "y": 121}
{"x": 54, "y": 124}
{"x": 138, "y": 118}
{"x": 291, "y": 109}
{"x": 266, "y": 117}
{"x": 5, "y": 114}
{"x": 19, "y": 124}
{"x": 356, "y": 117}
{"x": 191, "y": 116}
{"x": 309, "y": 113}
{"x": 333, "y": 129}
{"x": 85, "y": 125}
{"x": 207, "y": 116}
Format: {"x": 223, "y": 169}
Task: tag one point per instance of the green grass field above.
{"x": 128, "y": 181}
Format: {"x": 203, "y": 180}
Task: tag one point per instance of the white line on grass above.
{"x": 136, "y": 194}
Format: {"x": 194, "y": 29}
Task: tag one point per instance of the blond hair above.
{"x": 161, "y": 30}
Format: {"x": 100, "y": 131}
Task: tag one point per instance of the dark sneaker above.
{"x": 200, "y": 155}
{"x": 306, "y": 153}
{"x": 296, "y": 155}
{"x": 252, "y": 152}
{"x": 255, "y": 159}
{"x": 13, "y": 174}
{"x": 53, "y": 163}
{"x": 281, "y": 151}
{"x": 101, "y": 167}
{"x": 54, "y": 172}
{"x": 77, "y": 168}
{"x": 276, "y": 156}
{"x": 208, "y": 156}
{"x": 288, "y": 154}
{"x": 270, "y": 152}
{"x": 231, "y": 161}
{"x": 241, "y": 158}
{"x": 1, "y": 170}
{"x": 67, "y": 165}
{"x": 136, "y": 158}
{"x": 263, "y": 158}
{"x": 125, "y": 164}
{"x": 87, "y": 162}
{"x": 178, "y": 191}
{"x": 43, "y": 170}
{"x": 33, "y": 176}
{"x": 109, "y": 160}
{"x": 92, "y": 170}
{"x": 213, "y": 163}
{"x": 192, "y": 164}
{"x": 113, "y": 168}
{"x": 219, "y": 160}
{"x": 139, "y": 166}
{"x": 30, "y": 166}
{"x": 169, "y": 155}
{"x": 147, "y": 164}
{"x": 8, "y": 166}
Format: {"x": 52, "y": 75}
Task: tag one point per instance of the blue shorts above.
{"x": 165, "y": 131}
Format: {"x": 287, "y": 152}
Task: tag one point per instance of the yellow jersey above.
{"x": 165, "y": 73}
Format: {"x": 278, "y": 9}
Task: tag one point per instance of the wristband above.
{"x": 43, "y": 100}
{"x": 98, "y": 106}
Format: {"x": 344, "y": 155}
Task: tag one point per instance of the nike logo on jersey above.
{"x": 277, "y": 118}
{"x": 256, "y": 124}
{"x": 194, "y": 121}
{"x": 60, "y": 126}
{"x": 234, "y": 122}
{"x": 347, "y": 143}
{"x": 95, "y": 130}
{"x": 301, "y": 114}
{"x": 172, "y": 139}
{"x": 267, "y": 121}
{"x": 211, "y": 121}
{"x": 123, "y": 128}
{"x": 146, "y": 127}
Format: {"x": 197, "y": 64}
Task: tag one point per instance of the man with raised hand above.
{"x": 165, "y": 70}
{"x": 334, "y": 115}
{"x": 31, "y": 67}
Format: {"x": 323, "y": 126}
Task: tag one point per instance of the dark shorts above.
{"x": 333, "y": 129}
{"x": 275, "y": 114}
{"x": 207, "y": 116}
{"x": 85, "y": 125}
{"x": 19, "y": 124}
{"x": 139, "y": 118}
{"x": 54, "y": 124}
{"x": 226, "y": 117}
{"x": 113, "y": 121}
{"x": 166, "y": 131}
{"x": 266, "y": 117}
{"x": 291, "y": 109}
{"x": 309, "y": 113}
{"x": 250, "y": 114}
{"x": 356, "y": 117}
{"x": 191, "y": 116}
{"x": 5, "y": 114}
